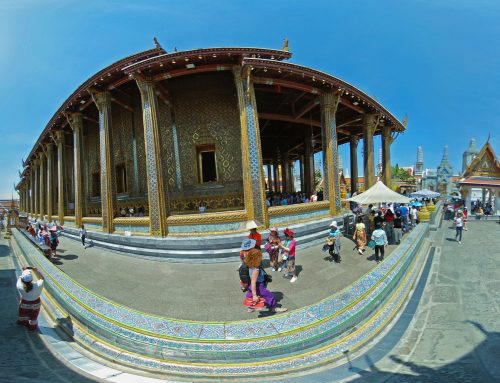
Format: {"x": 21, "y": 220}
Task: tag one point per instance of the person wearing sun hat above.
{"x": 333, "y": 242}
{"x": 29, "y": 306}
{"x": 273, "y": 248}
{"x": 288, "y": 253}
{"x": 252, "y": 226}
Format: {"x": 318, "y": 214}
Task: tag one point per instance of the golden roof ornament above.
{"x": 285, "y": 45}
{"x": 405, "y": 121}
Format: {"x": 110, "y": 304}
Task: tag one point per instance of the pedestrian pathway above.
{"x": 451, "y": 333}
{"x": 205, "y": 292}
{"x": 24, "y": 357}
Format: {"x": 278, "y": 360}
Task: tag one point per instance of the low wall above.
{"x": 295, "y": 340}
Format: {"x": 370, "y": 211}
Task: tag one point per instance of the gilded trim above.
{"x": 274, "y": 211}
{"x": 207, "y": 218}
{"x": 132, "y": 221}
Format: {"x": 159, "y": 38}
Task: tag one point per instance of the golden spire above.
{"x": 285, "y": 45}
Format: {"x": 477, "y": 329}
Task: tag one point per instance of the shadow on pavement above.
{"x": 466, "y": 369}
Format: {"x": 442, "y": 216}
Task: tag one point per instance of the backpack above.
{"x": 244, "y": 274}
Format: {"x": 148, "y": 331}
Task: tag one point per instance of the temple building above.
{"x": 470, "y": 153}
{"x": 483, "y": 173}
{"x": 146, "y": 141}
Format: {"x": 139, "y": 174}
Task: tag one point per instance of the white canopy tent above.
{"x": 379, "y": 193}
{"x": 425, "y": 193}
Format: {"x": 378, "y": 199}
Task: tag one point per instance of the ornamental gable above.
{"x": 485, "y": 164}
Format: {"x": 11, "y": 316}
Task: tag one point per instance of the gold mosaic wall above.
{"x": 206, "y": 112}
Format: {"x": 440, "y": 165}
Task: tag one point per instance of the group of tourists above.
{"x": 253, "y": 278}
{"x": 284, "y": 199}
{"x": 45, "y": 235}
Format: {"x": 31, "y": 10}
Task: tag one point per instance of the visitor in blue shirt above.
{"x": 404, "y": 216}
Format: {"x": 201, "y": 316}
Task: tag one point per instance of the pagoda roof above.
{"x": 484, "y": 170}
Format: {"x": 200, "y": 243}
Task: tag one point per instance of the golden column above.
{"x": 158, "y": 200}
{"x": 309, "y": 185}
{"x": 253, "y": 175}
{"x": 76, "y": 123}
{"x": 369, "y": 125}
{"x": 386, "y": 155}
{"x": 41, "y": 173}
{"x": 60, "y": 142}
{"x": 331, "y": 184}
{"x": 49, "y": 152}
{"x": 108, "y": 190}
{"x": 36, "y": 165}
{"x": 32, "y": 190}
{"x": 353, "y": 146}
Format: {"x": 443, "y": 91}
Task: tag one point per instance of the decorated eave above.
{"x": 267, "y": 66}
{"x": 271, "y": 72}
{"x": 80, "y": 98}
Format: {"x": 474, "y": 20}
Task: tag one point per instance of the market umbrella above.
{"x": 425, "y": 193}
{"x": 416, "y": 203}
{"x": 379, "y": 193}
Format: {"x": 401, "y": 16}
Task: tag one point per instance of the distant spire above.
{"x": 445, "y": 153}
{"x": 339, "y": 163}
{"x": 420, "y": 154}
{"x": 472, "y": 146}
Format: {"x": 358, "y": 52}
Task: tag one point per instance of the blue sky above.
{"x": 437, "y": 61}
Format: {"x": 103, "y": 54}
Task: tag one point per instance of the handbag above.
{"x": 372, "y": 244}
{"x": 268, "y": 247}
{"x": 267, "y": 277}
{"x": 325, "y": 248}
{"x": 330, "y": 241}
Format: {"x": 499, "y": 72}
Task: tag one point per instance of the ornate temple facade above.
{"x": 145, "y": 142}
{"x": 482, "y": 173}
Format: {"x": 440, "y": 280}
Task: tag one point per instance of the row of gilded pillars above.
{"x": 253, "y": 175}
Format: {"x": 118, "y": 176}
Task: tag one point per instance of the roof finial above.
{"x": 175, "y": 49}
{"x": 157, "y": 44}
{"x": 405, "y": 120}
{"x": 285, "y": 45}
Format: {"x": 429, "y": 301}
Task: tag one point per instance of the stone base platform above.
{"x": 290, "y": 342}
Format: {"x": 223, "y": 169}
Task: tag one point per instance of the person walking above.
{"x": 380, "y": 239}
{"x": 398, "y": 228}
{"x": 29, "y": 305}
{"x": 333, "y": 241}
{"x": 459, "y": 225}
{"x": 465, "y": 214}
{"x": 389, "y": 224}
{"x": 83, "y": 234}
{"x": 258, "y": 288}
{"x": 54, "y": 242}
{"x": 273, "y": 248}
{"x": 404, "y": 216}
{"x": 360, "y": 235}
{"x": 288, "y": 253}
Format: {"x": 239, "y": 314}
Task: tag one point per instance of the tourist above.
{"x": 246, "y": 246}
{"x": 459, "y": 225}
{"x": 202, "y": 208}
{"x": 273, "y": 248}
{"x": 404, "y": 216}
{"x": 360, "y": 235}
{"x": 398, "y": 228}
{"x": 83, "y": 234}
{"x": 413, "y": 216}
{"x": 258, "y": 288}
{"x": 379, "y": 219}
{"x": 465, "y": 214}
{"x": 252, "y": 226}
{"x": 54, "y": 242}
{"x": 288, "y": 254}
{"x": 29, "y": 306}
{"x": 314, "y": 197}
{"x": 380, "y": 239}
{"x": 389, "y": 224}
{"x": 333, "y": 241}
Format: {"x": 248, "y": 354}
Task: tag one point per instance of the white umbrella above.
{"x": 424, "y": 193}
{"x": 379, "y": 193}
